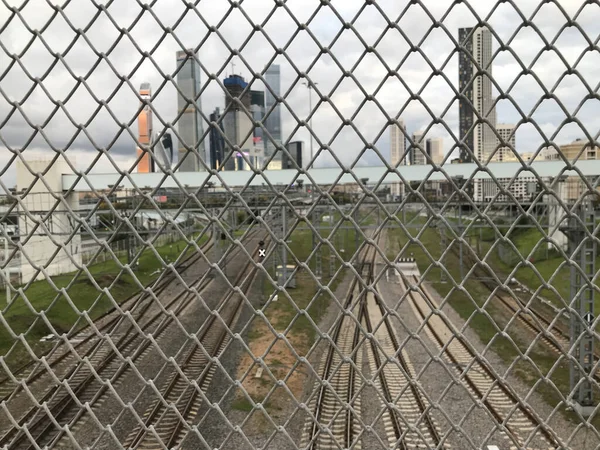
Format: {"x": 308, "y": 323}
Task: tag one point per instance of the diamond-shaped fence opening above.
{"x": 299, "y": 224}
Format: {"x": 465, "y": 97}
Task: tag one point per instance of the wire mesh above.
{"x": 213, "y": 235}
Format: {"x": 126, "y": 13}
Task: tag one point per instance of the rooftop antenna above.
{"x": 232, "y": 67}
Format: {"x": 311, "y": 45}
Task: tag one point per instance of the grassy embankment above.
{"x": 283, "y": 315}
{"x": 73, "y": 295}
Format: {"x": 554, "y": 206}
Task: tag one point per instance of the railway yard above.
{"x": 220, "y": 357}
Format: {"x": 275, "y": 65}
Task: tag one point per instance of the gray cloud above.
{"x": 414, "y": 22}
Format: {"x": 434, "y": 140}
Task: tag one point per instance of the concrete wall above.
{"x": 42, "y": 248}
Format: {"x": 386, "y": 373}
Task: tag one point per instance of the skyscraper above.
{"x": 397, "y": 153}
{"x": 217, "y": 143}
{"x": 273, "y": 120}
{"x": 257, "y": 108}
{"x": 435, "y": 150}
{"x": 475, "y": 57}
{"x": 296, "y": 153}
{"x": 145, "y": 163}
{"x": 416, "y": 151}
{"x": 237, "y": 123}
{"x": 190, "y": 125}
{"x": 163, "y": 151}
{"x": 507, "y": 134}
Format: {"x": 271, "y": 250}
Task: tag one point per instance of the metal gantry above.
{"x": 580, "y": 231}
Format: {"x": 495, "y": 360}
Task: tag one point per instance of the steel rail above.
{"x": 549, "y": 436}
{"x": 140, "y": 296}
{"x": 158, "y": 410}
{"x": 61, "y": 405}
{"x": 405, "y": 367}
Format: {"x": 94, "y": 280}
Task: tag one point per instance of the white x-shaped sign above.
{"x": 262, "y": 252}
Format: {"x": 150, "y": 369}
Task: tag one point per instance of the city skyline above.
{"x": 369, "y": 120}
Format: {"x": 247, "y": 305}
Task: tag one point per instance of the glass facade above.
{"x": 190, "y": 126}
{"x": 273, "y": 119}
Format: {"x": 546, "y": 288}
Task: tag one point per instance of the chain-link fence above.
{"x": 301, "y": 224}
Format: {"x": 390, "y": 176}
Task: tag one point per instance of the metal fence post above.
{"x": 583, "y": 252}
{"x": 283, "y": 282}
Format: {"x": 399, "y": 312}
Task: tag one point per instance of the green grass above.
{"x": 284, "y": 312}
{"x": 544, "y": 363}
{"x": 242, "y": 404}
{"x": 41, "y": 306}
{"x": 468, "y": 306}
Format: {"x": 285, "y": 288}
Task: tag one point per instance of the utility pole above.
{"x": 309, "y": 85}
{"x": 444, "y": 245}
{"x": 462, "y": 275}
{"x": 283, "y": 246}
{"x": 331, "y": 252}
{"x": 6, "y": 270}
{"x": 356, "y": 231}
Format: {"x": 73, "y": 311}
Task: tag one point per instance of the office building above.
{"x": 426, "y": 151}
{"x": 237, "y": 123}
{"x": 295, "y": 157}
{"x": 273, "y": 118}
{"x": 257, "y": 108}
{"x": 504, "y": 152}
{"x": 398, "y": 154}
{"x": 417, "y": 149}
{"x": 435, "y": 149}
{"x": 163, "y": 152}
{"x": 477, "y": 137}
{"x": 217, "y": 141}
{"x": 144, "y": 153}
{"x": 189, "y": 107}
{"x": 578, "y": 150}
{"x": 398, "y": 144}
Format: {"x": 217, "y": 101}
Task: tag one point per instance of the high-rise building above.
{"x": 416, "y": 150}
{"x": 397, "y": 153}
{"x": 507, "y": 135}
{"x": 163, "y": 151}
{"x": 435, "y": 149}
{"x": 237, "y": 123}
{"x": 257, "y": 108}
{"x": 217, "y": 142}
{"x": 273, "y": 119}
{"x": 296, "y": 151}
{"x": 398, "y": 144}
{"x": 144, "y": 154}
{"x": 426, "y": 151}
{"x": 476, "y": 88}
{"x": 189, "y": 107}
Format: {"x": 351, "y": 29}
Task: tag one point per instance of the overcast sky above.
{"x": 24, "y": 59}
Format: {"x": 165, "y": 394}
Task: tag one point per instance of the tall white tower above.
{"x": 397, "y": 153}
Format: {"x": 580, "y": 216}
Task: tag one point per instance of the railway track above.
{"x": 101, "y": 361}
{"x": 408, "y": 421}
{"x": 84, "y": 338}
{"x": 334, "y": 420}
{"x": 551, "y": 330}
{"x": 171, "y": 416}
{"x": 519, "y": 424}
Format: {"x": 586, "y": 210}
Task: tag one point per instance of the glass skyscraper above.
{"x": 273, "y": 119}
{"x": 190, "y": 125}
